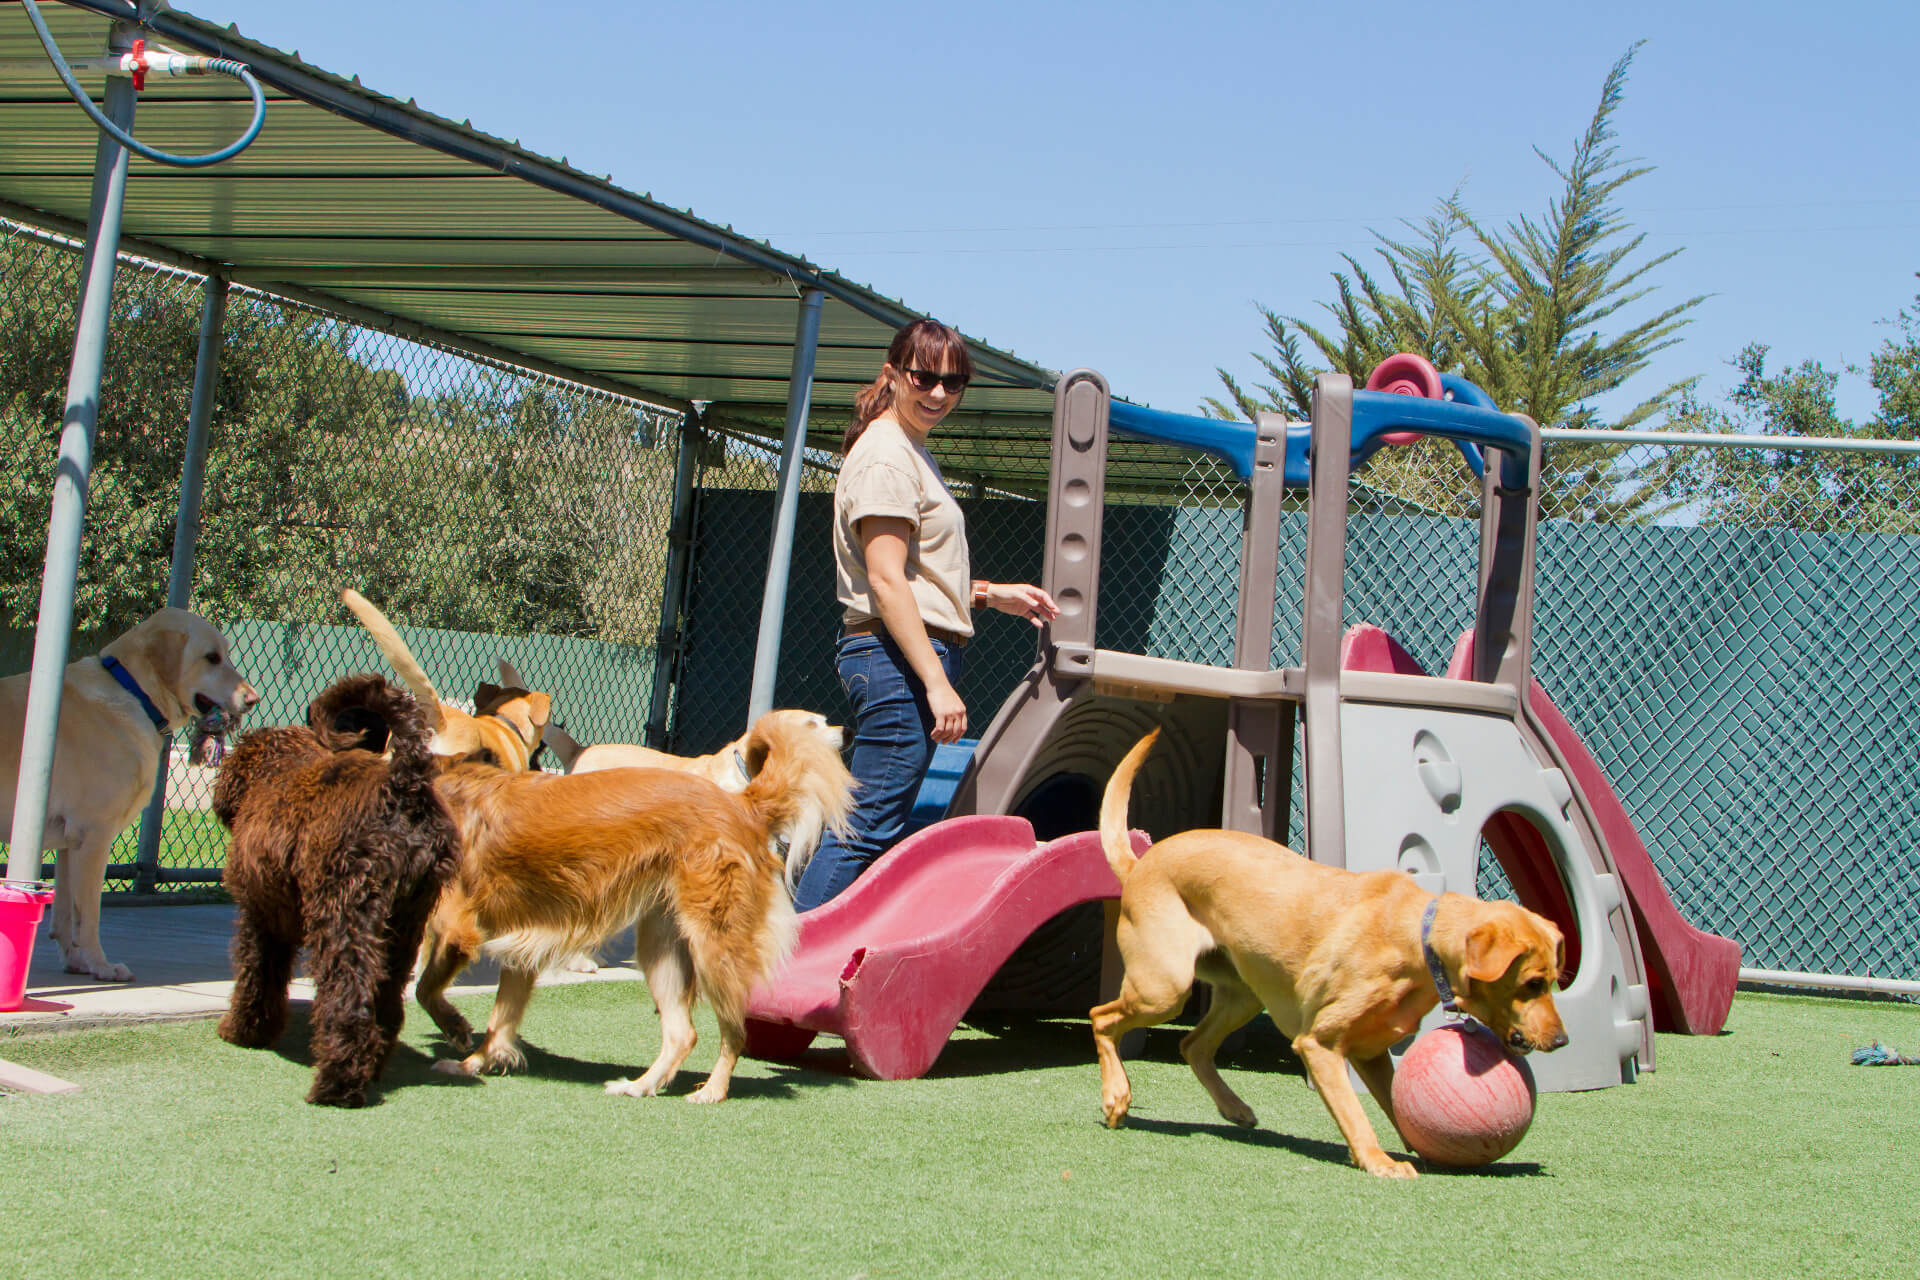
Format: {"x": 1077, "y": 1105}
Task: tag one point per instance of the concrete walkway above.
{"x": 178, "y": 955}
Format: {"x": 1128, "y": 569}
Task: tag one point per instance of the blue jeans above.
{"x": 891, "y": 753}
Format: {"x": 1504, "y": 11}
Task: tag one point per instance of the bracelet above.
{"x": 980, "y": 586}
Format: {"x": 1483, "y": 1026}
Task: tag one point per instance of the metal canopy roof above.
{"x": 408, "y": 222}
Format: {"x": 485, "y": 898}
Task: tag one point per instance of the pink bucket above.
{"x": 21, "y": 906}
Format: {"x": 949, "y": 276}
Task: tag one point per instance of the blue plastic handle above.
{"x": 1469, "y": 420}
{"x": 1231, "y": 442}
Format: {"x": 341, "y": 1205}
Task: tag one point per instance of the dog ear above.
{"x": 164, "y": 652}
{"x": 755, "y": 750}
{"x": 1492, "y": 947}
{"x": 509, "y": 676}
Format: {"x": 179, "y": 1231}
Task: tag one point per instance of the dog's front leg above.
{"x": 498, "y": 1054}
{"x": 84, "y": 864}
{"x": 262, "y": 967}
{"x": 1377, "y": 1074}
{"x": 1328, "y": 1067}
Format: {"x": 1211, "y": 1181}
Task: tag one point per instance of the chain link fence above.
{"x": 492, "y": 514}
{"x": 1740, "y": 663}
{"x": 1730, "y": 630}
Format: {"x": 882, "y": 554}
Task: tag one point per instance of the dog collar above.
{"x": 1434, "y": 967}
{"x": 495, "y": 715}
{"x": 132, "y": 686}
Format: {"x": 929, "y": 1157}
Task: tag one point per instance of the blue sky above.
{"x": 1117, "y": 185}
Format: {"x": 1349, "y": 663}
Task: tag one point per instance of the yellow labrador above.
{"x": 730, "y": 768}
{"x": 117, "y": 711}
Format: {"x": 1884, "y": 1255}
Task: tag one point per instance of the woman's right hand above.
{"x": 949, "y": 714}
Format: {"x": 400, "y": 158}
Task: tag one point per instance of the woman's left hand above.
{"x": 1022, "y": 600}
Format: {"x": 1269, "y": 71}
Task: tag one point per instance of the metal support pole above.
{"x": 186, "y": 532}
{"x": 673, "y": 595}
{"x": 67, "y": 522}
{"x": 773, "y": 608}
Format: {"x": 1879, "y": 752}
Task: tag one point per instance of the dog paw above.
{"x": 453, "y": 1067}
{"x": 1239, "y": 1113}
{"x": 581, "y": 963}
{"x": 244, "y": 1035}
{"x": 641, "y": 1088}
{"x": 101, "y": 970}
{"x": 1115, "y": 1112}
{"x": 707, "y": 1093}
{"x": 1387, "y": 1167}
{"x": 501, "y": 1060}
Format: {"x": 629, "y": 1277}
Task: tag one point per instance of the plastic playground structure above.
{"x": 1402, "y": 769}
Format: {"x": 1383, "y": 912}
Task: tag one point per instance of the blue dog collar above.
{"x": 132, "y": 686}
{"x": 1434, "y": 967}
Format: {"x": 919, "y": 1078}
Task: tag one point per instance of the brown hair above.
{"x": 924, "y": 344}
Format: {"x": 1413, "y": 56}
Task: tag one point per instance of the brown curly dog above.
{"x": 342, "y": 850}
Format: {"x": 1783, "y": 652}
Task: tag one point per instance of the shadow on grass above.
{"x": 406, "y": 1067}
{"x": 1317, "y": 1149}
{"x": 410, "y": 1066}
{"x": 1024, "y": 1044}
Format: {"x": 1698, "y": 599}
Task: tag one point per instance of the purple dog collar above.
{"x": 1434, "y": 967}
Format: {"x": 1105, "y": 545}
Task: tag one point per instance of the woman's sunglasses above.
{"x": 923, "y": 380}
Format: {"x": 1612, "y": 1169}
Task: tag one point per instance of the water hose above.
{"x": 138, "y": 63}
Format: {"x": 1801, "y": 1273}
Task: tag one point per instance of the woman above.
{"x": 903, "y": 576}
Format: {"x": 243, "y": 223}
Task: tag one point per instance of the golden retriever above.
{"x": 730, "y": 768}
{"x": 506, "y": 723}
{"x": 555, "y": 864}
{"x": 107, "y": 753}
{"x": 1345, "y": 962}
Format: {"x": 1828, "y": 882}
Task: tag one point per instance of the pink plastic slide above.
{"x": 1691, "y": 974}
{"x": 892, "y": 964}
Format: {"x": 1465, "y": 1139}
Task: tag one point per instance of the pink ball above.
{"x": 1459, "y": 1098}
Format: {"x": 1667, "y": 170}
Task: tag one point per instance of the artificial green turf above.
{"x": 1761, "y": 1152}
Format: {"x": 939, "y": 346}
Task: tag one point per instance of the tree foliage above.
{"x": 472, "y": 500}
{"x": 1535, "y": 313}
{"x": 1806, "y": 488}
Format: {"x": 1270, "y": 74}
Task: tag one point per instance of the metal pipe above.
{"x": 673, "y": 593}
{"x": 773, "y": 606}
{"x": 1829, "y": 981}
{"x": 1714, "y": 439}
{"x": 186, "y": 533}
{"x": 67, "y": 521}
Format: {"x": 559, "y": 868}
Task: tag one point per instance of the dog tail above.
{"x": 1113, "y": 808}
{"x": 799, "y": 788}
{"x": 398, "y": 656}
{"x": 375, "y": 714}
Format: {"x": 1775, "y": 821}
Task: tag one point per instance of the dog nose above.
{"x": 249, "y": 697}
{"x": 1559, "y": 1041}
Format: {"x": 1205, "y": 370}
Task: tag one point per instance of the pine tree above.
{"x": 1522, "y": 312}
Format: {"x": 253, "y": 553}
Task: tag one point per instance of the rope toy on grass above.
{"x": 1880, "y": 1055}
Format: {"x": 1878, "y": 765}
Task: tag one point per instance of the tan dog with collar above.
{"x": 1343, "y": 961}
{"x": 507, "y": 720}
